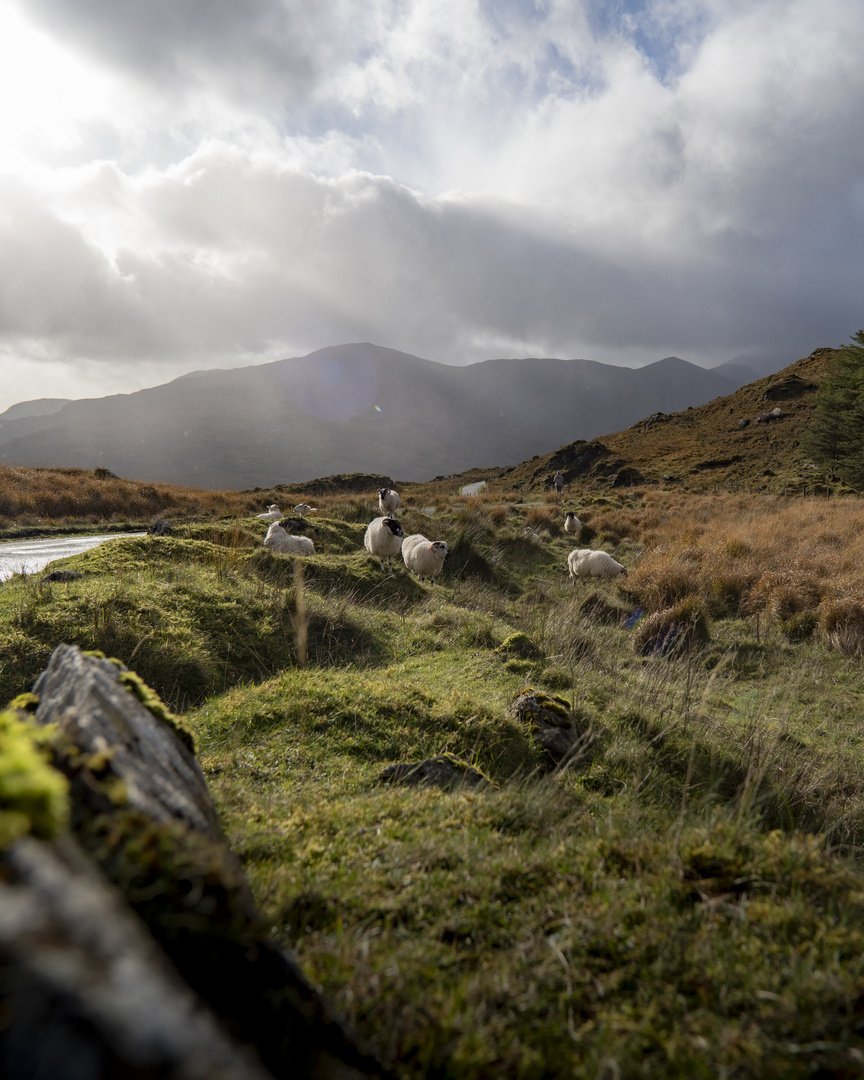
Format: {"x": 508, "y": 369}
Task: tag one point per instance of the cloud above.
{"x": 612, "y": 181}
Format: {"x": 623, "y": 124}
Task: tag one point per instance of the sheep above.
{"x": 384, "y": 538}
{"x": 281, "y": 542}
{"x": 572, "y": 524}
{"x": 558, "y": 482}
{"x": 388, "y": 501}
{"x": 585, "y": 562}
{"x": 424, "y": 557}
{"x": 273, "y": 514}
{"x": 304, "y": 508}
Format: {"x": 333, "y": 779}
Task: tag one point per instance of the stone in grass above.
{"x": 141, "y": 813}
{"x": 554, "y": 725}
{"x": 86, "y": 991}
{"x": 445, "y": 771}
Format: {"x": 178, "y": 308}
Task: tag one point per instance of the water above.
{"x": 30, "y": 556}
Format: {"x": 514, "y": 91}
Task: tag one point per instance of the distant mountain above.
{"x": 750, "y": 438}
{"x": 40, "y": 407}
{"x": 760, "y": 364}
{"x": 352, "y": 408}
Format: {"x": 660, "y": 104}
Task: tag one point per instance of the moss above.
{"x": 33, "y": 796}
{"x": 549, "y": 702}
{"x": 520, "y": 644}
{"x": 26, "y": 703}
{"x": 156, "y": 707}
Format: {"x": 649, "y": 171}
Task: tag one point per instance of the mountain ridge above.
{"x": 351, "y": 408}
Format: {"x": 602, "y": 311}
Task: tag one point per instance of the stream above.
{"x": 30, "y": 556}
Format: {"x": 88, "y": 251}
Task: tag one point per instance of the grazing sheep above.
{"x": 384, "y": 539}
{"x": 572, "y": 524}
{"x": 558, "y": 482}
{"x": 388, "y": 501}
{"x": 585, "y": 562}
{"x": 281, "y": 542}
{"x": 424, "y": 557}
{"x": 304, "y": 508}
{"x": 273, "y": 514}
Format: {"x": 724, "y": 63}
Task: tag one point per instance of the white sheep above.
{"x": 273, "y": 513}
{"x": 586, "y": 562}
{"x": 282, "y": 542}
{"x": 388, "y": 501}
{"x": 384, "y": 538}
{"x": 302, "y": 509}
{"x": 572, "y": 524}
{"x": 424, "y": 557}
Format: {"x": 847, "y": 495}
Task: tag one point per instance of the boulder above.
{"x": 134, "y": 939}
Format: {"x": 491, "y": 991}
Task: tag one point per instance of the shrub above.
{"x": 662, "y": 580}
{"x": 674, "y": 630}
{"x": 842, "y": 623}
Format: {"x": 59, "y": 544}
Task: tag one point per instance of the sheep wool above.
{"x": 572, "y": 524}
{"x": 388, "y": 501}
{"x": 281, "y": 542}
{"x": 383, "y": 538}
{"x": 424, "y": 557}
{"x": 585, "y": 562}
{"x": 273, "y": 513}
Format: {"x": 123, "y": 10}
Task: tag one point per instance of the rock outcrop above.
{"x": 130, "y": 944}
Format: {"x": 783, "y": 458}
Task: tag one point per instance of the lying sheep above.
{"x": 424, "y": 557}
{"x": 273, "y": 513}
{"x": 585, "y": 562}
{"x": 572, "y": 524}
{"x": 302, "y": 509}
{"x": 282, "y": 542}
{"x": 384, "y": 538}
{"x": 388, "y": 501}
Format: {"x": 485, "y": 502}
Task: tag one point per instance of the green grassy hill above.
{"x": 681, "y": 897}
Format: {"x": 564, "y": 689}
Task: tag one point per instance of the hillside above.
{"x": 648, "y": 861}
{"x": 347, "y": 409}
{"x": 718, "y": 444}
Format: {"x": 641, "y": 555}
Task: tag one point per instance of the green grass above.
{"x": 684, "y": 901}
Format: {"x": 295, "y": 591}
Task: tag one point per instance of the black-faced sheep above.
{"x": 424, "y": 557}
{"x": 281, "y": 542}
{"x": 586, "y": 562}
{"x": 572, "y": 524}
{"x": 388, "y": 501}
{"x": 383, "y": 538}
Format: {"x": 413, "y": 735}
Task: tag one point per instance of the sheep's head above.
{"x": 394, "y": 526}
{"x": 383, "y": 492}
{"x": 440, "y": 548}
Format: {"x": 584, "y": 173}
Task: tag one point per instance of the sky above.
{"x": 194, "y": 184}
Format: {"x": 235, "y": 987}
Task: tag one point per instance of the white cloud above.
{"x": 225, "y": 184}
